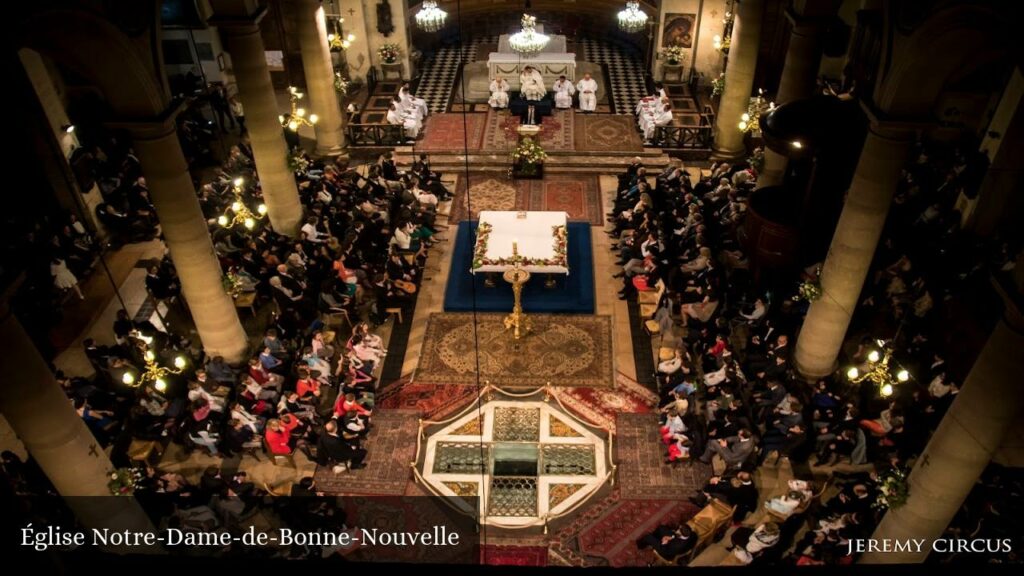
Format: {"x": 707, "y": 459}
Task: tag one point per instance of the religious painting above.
{"x": 679, "y": 30}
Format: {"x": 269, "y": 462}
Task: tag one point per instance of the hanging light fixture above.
{"x": 298, "y": 116}
{"x": 528, "y": 42}
{"x": 750, "y": 121}
{"x": 632, "y": 19}
{"x": 153, "y": 372}
{"x": 238, "y": 212}
{"x": 430, "y": 18}
{"x": 881, "y": 370}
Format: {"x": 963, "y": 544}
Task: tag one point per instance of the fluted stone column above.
{"x": 187, "y": 237}
{"x": 852, "y": 249}
{"x": 241, "y": 36}
{"x": 316, "y": 61}
{"x": 991, "y": 400}
{"x": 46, "y": 422}
{"x": 799, "y": 77}
{"x": 739, "y": 79}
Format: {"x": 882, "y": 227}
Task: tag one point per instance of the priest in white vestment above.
{"x": 531, "y": 84}
{"x": 499, "y": 93}
{"x": 407, "y": 108}
{"x": 410, "y": 100}
{"x": 588, "y": 93}
{"x": 563, "y": 92}
{"x": 409, "y": 123}
{"x": 649, "y": 123}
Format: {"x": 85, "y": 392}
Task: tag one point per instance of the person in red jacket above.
{"x": 279, "y": 434}
{"x": 347, "y": 403}
{"x": 307, "y": 387}
{"x": 265, "y": 378}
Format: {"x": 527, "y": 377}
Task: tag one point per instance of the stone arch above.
{"x": 949, "y": 44}
{"x": 100, "y": 52}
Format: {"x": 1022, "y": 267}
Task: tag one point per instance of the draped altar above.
{"x": 552, "y": 62}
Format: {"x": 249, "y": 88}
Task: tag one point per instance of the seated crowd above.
{"x": 728, "y": 388}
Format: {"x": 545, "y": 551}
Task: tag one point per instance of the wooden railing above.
{"x": 375, "y": 135}
{"x": 692, "y": 137}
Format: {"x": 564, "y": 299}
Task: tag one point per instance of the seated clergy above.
{"x": 563, "y": 92}
{"x": 410, "y": 100}
{"x": 649, "y": 124}
{"x": 531, "y": 84}
{"x": 499, "y": 93}
{"x": 407, "y": 108}
{"x": 588, "y": 93}
{"x": 411, "y": 125}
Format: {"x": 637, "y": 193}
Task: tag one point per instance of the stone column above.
{"x": 799, "y": 77}
{"x": 853, "y": 247}
{"x": 739, "y": 79}
{"x": 242, "y": 39}
{"x": 187, "y": 236}
{"x": 316, "y": 61}
{"x": 992, "y": 399}
{"x": 46, "y": 422}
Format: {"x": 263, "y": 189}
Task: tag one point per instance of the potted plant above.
{"x": 718, "y": 85}
{"x": 528, "y": 159}
{"x": 674, "y": 55}
{"x": 341, "y": 84}
{"x": 389, "y": 53}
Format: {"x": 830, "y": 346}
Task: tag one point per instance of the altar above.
{"x": 541, "y": 240}
{"x": 552, "y": 62}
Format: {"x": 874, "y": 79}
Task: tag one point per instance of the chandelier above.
{"x": 430, "y": 18}
{"x": 153, "y": 372}
{"x": 239, "y": 212}
{"x": 879, "y": 370}
{"x": 297, "y": 117}
{"x": 528, "y": 42}
{"x": 632, "y": 19}
{"x": 750, "y": 121}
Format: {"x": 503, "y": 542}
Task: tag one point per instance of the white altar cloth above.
{"x": 552, "y": 62}
{"x": 541, "y": 239}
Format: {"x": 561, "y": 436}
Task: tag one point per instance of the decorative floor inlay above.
{"x": 517, "y": 424}
{"x": 560, "y": 492}
{"x": 513, "y": 496}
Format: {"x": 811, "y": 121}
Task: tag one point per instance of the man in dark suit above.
{"x": 733, "y": 450}
{"x": 332, "y": 448}
{"x": 738, "y": 491}
{"x": 669, "y": 542}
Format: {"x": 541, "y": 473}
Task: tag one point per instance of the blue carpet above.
{"x": 572, "y": 294}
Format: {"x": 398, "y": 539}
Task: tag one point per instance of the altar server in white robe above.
{"x": 531, "y": 84}
{"x": 409, "y": 123}
{"x": 410, "y": 100}
{"x": 407, "y": 108}
{"x": 651, "y": 123}
{"x": 588, "y": 93}
{"x": 499, "y": 93}
{"x": 563, "y": 93}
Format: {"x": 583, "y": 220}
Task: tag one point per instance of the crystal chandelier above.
{"x": 430, "y": 18}
{"x": 528, "y": 42}
{"x": 632, "y": 19}
{"x": 879, "y": 371}
{"x": 238, "y": 212}
{"x": 297, "y": 117}
{"x": 153, "y": 372}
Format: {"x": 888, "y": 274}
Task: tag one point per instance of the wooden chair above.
{"x": 652, "y": 328}
{"x": 649, "y": 300}
{"x": 396, "y": 311}
{"x": 335, "y": 317}
{"x": 279, "y": 459}
{"x": 709, "y": 523}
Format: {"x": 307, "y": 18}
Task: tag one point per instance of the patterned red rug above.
{"x": 391, "y": 446}
{"x": 432, "y": 401}
{"x": 452, "y": 133}
{"x": 607, "y": 133}
{"x": 577, "y": 195}
{"x": 600, "y": 405}
{"x": 643, "y": 473}
{"x": 605, "y": 534}
{"x": 556, "y": 132}
{"x": 513, "y": 555}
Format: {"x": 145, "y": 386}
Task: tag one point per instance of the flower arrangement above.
{"x": 756, "y": 159}
{"x": 483, "y": 233}
{"x": 389, "y": 53}
{"x": 674, "y": 54}
{"x": 341, "y": 85}
{"x": 810, "y": 289}
{"x": 232, "y": 284}
{"x": 718, "y": 85}
{"x": 123, "y": 481}
{"x": 297, "y": 160}
{"x": 893, "y": 489}
{"x": 528, "y": 154}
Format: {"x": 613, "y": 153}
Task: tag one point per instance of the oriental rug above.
{"x": 643, "y": 473}
{"x": 431, "y": 401}
{"x": 578, "y": 195}
{"x": 600, "y": 405}
{"x": 451, "y": 133}
{"x": 391, "y": 446}
{"x": 605, "y": 534}
{"x": 565, "y": 350}
{"x": 513, "y": 555}
{"x": 556, "y": 131}
{"x": 607, "y": 133}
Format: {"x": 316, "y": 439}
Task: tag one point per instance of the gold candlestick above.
{"x": 516, "y": 276}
